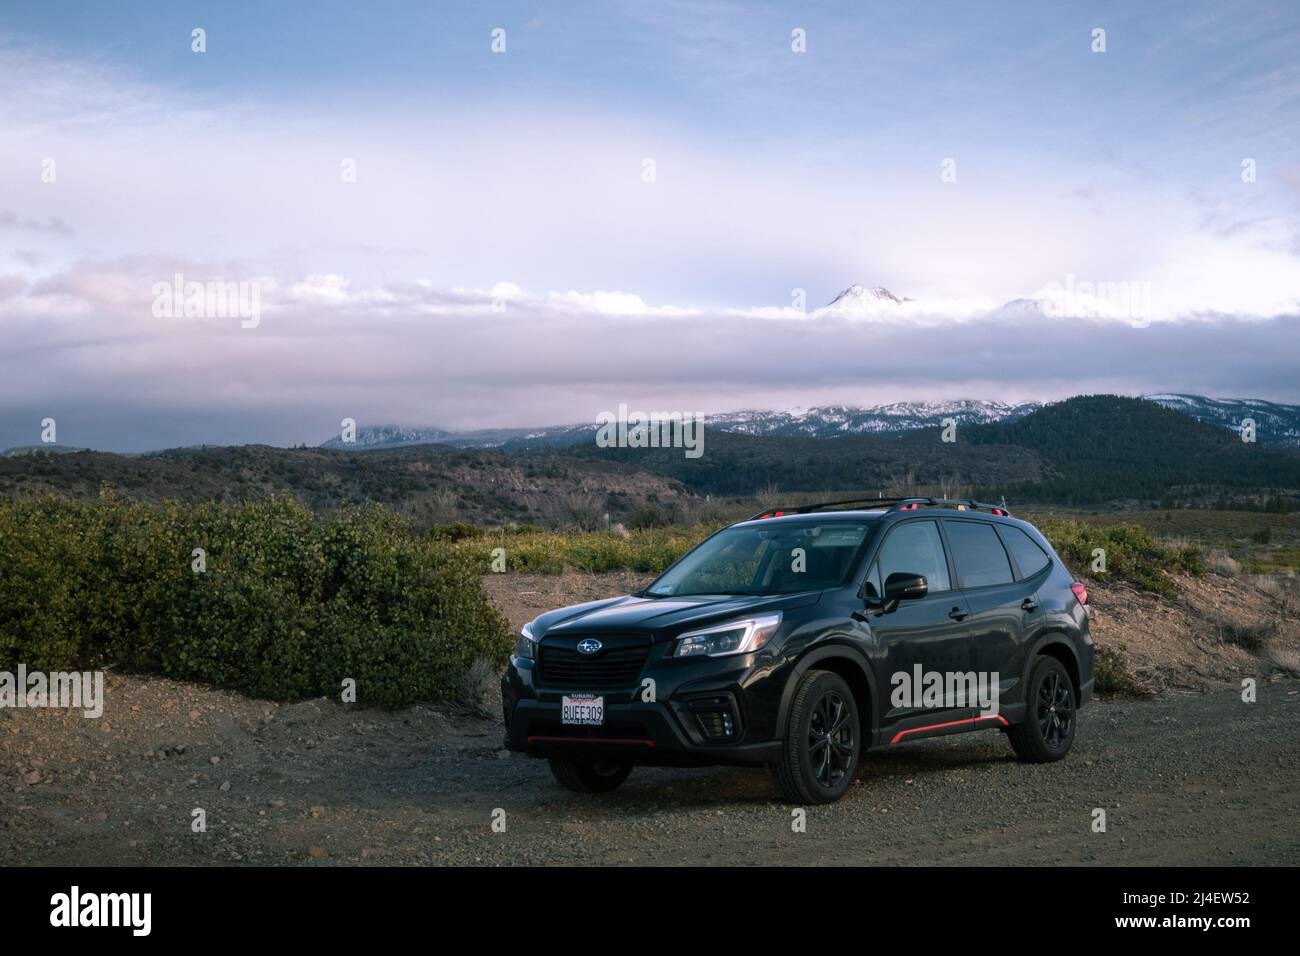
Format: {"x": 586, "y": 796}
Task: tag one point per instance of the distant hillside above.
{"x": 1275, "y": 424}
{"x": 431, "y": 484}
{"x": 743, "y": 464}
{"x": 1085, "y": 450}
{"x": 1103, "y": 447}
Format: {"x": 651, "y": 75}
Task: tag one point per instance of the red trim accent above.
{"x": 592, "y": 740}
{"x": 952, "y": 723}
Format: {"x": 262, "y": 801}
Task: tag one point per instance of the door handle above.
{"x": 1029, "y": 604}
{"x": 957, "y": 614}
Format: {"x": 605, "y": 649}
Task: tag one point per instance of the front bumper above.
{"x": 705, "y": 712}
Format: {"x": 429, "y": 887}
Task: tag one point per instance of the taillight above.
{"x": 1080, "y": 592}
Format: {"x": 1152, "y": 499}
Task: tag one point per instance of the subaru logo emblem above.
{"x": 588, "y": 646}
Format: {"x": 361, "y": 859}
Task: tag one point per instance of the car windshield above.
{"x": 778, "y": 558}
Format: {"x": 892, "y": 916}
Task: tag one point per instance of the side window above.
{"x": 872, "y": 587}
{"x": 981, "y": 560}
{"x": 1030, "y": 557}
{"x": 915, "y": 547}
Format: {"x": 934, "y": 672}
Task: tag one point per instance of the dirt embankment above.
{"x": 1219, "y": 630}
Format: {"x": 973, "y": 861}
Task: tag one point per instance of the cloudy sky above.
{"x": 642, "y": 203}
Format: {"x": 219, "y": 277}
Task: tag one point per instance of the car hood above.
{"x": 661, "y": 618}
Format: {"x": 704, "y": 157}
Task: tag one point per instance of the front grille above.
{"x": 613, "y": 667}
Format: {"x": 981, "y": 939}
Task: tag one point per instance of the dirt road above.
{"x": 1183, "y": 780}
{"x": 1187, "y": 778}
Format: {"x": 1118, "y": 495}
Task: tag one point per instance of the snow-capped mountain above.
{"x": 1129, "y": 302}
{"x": 821, "y": 422}
{"x": 859, "y": 299}
{"x": 831, "y": 420}
{"x": 396, "y": 436}
{"x": 1275, "y": 424}
{"x": 391, "y": 436}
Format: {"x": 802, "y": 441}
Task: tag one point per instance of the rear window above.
{"x": 981, "y": 559}
{"x": 1030, "y": 557}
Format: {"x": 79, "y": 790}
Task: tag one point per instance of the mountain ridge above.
{"x": 1082, "y": 451}
{"x": 1277, "y": 423}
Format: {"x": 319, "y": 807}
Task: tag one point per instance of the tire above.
{"x": 1047, "y": 732}
{"x": 818, "y": 766}
{"x": 589, "y": 777}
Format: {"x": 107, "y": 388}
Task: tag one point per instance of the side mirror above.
{"x": 903, "y": 586}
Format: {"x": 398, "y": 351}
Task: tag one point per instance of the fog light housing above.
{"x": 717, "y": 718}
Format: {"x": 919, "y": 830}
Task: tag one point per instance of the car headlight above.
{"x": 734, "y": 637}
{"x": 525, "y": 644}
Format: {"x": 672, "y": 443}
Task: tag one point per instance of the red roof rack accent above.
{"x": 893, "y": 504}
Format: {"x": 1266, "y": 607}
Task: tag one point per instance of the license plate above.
{"x": 582, "y": 709}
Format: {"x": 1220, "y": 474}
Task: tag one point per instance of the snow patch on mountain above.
{"x": 895, "y": 418}
{"x": 1276, "y": 424}
{"x": 878, "y": 304}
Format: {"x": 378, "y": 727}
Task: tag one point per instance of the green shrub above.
{"x": 459, "y": 531}
{"x": 1113, "y": 675}
{"x": 288, "y": 606}
{"x": 1131, "y": 553}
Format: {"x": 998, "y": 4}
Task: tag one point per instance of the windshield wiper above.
{"x": 749, "y": 592}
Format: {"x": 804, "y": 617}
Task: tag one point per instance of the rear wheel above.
{"x": 1047, "y": 731}
{"x": 823, "y": 740}
{"x": 589, "y": 777}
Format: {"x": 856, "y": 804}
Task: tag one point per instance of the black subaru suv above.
{"x": 799, "y": 638}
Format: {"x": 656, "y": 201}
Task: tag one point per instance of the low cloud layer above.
{"x": 85, "y": 347}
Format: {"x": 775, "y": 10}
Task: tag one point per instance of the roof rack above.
{"x": 822, "y": 505}
{"x": 961, "y": 504}
{"x": 892, "y": 504}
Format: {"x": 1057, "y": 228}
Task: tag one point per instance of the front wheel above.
{"x": 589, "y": 777}
{"x": 1047, "y": 731}
{"x": 823, "y": 740}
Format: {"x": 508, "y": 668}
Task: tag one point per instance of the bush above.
{"x": 1113, "y": 675}
{"x": 460, "y": 531}
{"x": 1248, "y": 635}
{"x": 1131, "y": 553}
{"x": 288, "y": 606}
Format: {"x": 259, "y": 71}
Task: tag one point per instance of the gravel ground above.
{"x": 1189, "y": 779}
{"x": 1185, "y": 778}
